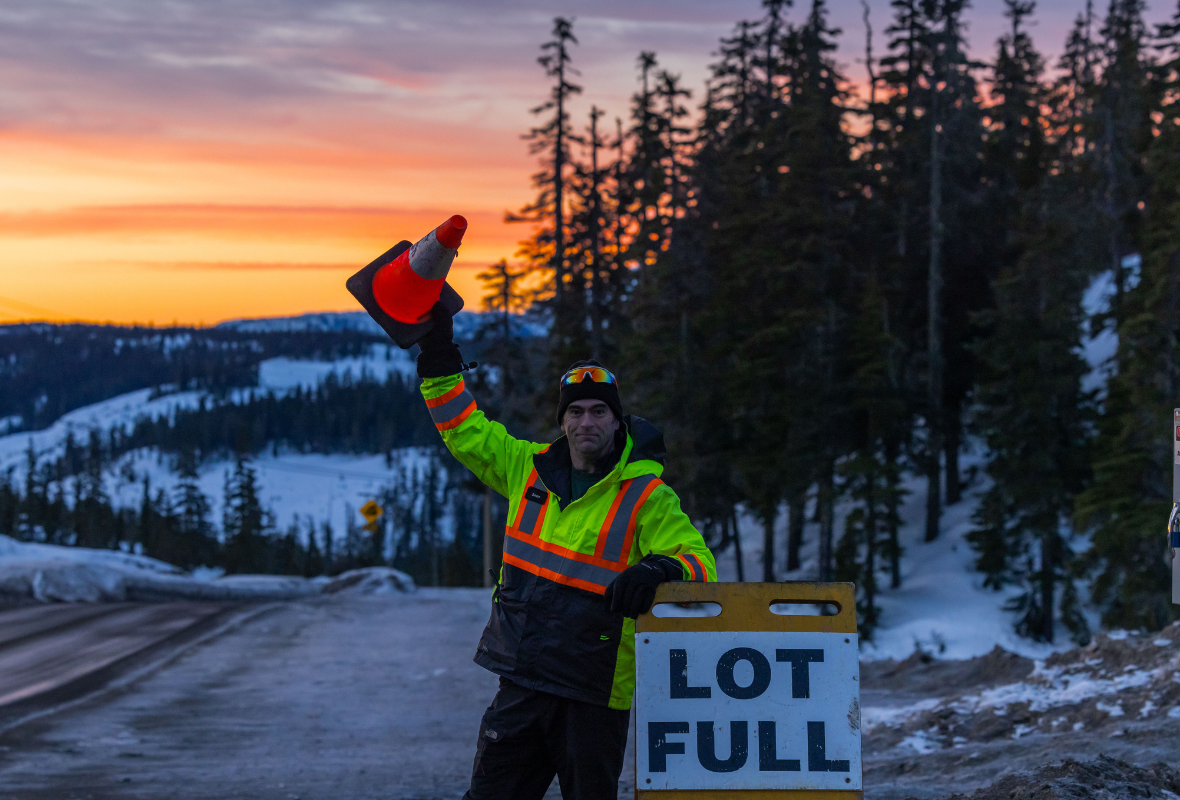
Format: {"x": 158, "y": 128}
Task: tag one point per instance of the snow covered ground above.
{"x": 294, "y": 487}
{"x": 284, "y": 374}
{"x": 941, "y": 606}
{"x": 278, "y": 375}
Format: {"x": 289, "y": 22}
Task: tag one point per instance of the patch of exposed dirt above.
{"x": 923, "y": 674}
{"x": 1103, "y": 779}
{"x": 1117, "y": 682}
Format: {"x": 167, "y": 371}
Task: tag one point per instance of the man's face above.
{"x": 590, "y": 426}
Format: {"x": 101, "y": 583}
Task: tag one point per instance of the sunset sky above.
{"x": 170, "y": 161}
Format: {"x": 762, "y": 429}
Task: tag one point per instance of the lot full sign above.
{"x": 749, "y": 699}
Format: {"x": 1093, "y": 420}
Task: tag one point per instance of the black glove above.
{"x": 633, "y": 592}
{"x": 440, "y": 355}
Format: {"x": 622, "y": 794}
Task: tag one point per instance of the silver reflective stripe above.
{"x": 452, "y": 408}
{"x": 599, "y": 576}
{"x": 429, "y": 259}
{"x": 532, "y": 510}
{"x": 617, "y": 534}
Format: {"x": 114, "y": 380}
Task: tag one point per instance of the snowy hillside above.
{"x": 277, "y": 375}
{"x": 941, "y": 606}
{"x": 466, "y": 323}
{"x": 307, "y": 489}
{"x": 284, "y": 374}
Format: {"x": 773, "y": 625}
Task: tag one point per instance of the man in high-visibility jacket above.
{"x": 592, "y": 530}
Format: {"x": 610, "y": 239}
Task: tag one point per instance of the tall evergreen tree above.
{"x": 246, "y": 524}
{"x": 1129, "y": 499}
{"x": 551, "y": 140}
{"x": 198, "y": 543}
{"x": 1032, "y": 411}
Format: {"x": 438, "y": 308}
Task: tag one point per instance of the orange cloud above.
{"x": 167, "y": 246}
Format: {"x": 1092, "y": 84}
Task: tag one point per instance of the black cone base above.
{"x": 403, "y": 334}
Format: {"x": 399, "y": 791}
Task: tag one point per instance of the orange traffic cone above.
{"x": 399, "y": 288}
{"x": 407, "y": 287}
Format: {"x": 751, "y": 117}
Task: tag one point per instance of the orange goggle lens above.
{"x": 579, "y": 374}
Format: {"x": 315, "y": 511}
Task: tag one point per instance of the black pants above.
{"x": 526, "y": 737}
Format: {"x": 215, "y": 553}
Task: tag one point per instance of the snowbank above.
{"x": 49, "y": 573}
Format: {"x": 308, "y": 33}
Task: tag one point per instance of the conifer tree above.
{"x": 1032, "y": 411}
{"x": 246, "y": 524}
{"x": 329, "y": 548}
{"x": 933, "y": 141}
{"x": 1127, "y": 503}
{"x": 93, "y": 517}
{"x": 598, "y": 274}
{"x": 313, "y": 564}
{"x": 198, "y": 543}
{"x": 642, "y": 178}
{"x": 9, "y": 505}
{"x": 551, "y": 140}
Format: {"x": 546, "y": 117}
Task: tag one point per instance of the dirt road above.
{"x": 50, "y": 648}
{"x": 358, "y": 697}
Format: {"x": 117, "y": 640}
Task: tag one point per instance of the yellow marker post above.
{"x": 750, "y": 704}
{"x": 371, "y": 512}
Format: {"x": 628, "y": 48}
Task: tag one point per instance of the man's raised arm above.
{"x": 483, "y": 446}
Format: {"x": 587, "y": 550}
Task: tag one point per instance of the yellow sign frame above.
{"x": 746, "y": 607}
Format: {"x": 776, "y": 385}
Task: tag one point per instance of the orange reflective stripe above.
{"x": 524, "y": 547}
{"x": 618, "y": 530}
{"x": 556, "y": 577}
{"x": 520, "y": 507}
{"x": 558, "y": 563}
{"x": 449, "y": 410}
{"x": 531, "y": 517}
{"x": 604, "y": 534}
{"x": 696, "y": 569}
{"x": 455, "y": 422}
{"x": 625, "y": 553}
{"x": 451, "y": 394}
{"x": 566, "y": 553}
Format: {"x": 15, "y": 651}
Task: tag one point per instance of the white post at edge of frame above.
{"x": 1175, "y": 500}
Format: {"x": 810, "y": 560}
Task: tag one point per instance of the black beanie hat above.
{"x": 589, "y": 390}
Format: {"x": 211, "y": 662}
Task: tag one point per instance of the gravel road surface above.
{"x": 335, "y": 698}
{"x": 46, "y": 648}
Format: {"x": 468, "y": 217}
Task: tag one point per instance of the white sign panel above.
{"x": 757, "y": 710}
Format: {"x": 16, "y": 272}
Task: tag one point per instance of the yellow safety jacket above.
{"x": 550, "y": 628}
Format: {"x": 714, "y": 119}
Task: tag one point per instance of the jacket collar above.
{"x": 639, "y": 450}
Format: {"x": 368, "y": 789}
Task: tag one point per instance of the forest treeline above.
{"x": 816, "y": 289}
{"x": 432, "y": 526}
{"x": 48, "y": 370}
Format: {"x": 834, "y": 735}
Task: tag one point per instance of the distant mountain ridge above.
{"x": 317, "y": 321}
{"x": 467, "y": 323}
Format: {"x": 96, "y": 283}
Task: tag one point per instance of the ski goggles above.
{"x": 593, "y": 374}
